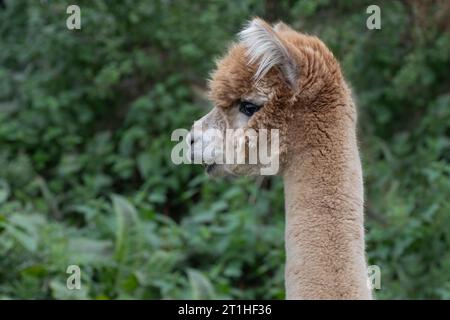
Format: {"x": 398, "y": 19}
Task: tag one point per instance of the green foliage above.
{"x": 85, "y": 170}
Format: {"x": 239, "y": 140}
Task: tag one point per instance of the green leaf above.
{"x": 201, "y": 287}
{"x": 4, "y": 191}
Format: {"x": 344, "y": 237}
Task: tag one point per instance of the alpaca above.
{"x": 277, "y": 78}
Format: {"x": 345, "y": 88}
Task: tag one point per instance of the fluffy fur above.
{"x": 307, "y": 99}
{"x": 264, "y": 45}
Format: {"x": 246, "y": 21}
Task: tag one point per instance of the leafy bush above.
{"x": 85, "y": 170}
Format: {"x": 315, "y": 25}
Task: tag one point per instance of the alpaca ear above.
{"x": 280, "y": 27}
{"x": 265, "y": 46}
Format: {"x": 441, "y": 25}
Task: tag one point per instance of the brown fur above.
{"x": 320, "y": 162}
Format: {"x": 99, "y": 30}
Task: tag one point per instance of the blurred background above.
{"x": 85, "y": 171}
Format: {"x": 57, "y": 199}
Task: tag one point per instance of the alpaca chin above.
{"x": 226, "y": 170}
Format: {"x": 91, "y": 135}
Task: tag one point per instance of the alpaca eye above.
{"x": 248, "y": 108}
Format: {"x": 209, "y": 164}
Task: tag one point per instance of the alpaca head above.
{"x": 249, "y": 88}
{"x": 254, "y": 87}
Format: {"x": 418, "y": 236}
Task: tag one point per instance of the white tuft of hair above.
{"x": 264, "y": 45}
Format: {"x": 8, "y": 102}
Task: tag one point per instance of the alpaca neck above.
{"x": 325, "y": 255}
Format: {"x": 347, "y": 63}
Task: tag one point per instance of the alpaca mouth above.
{"x": 210, "y": 167}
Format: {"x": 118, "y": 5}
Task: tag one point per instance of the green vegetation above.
{"x": 85, "y": 170}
